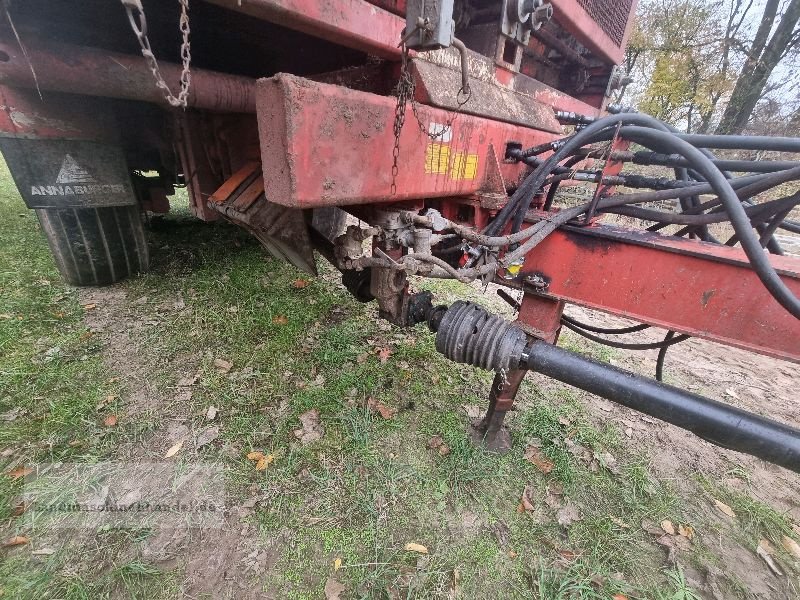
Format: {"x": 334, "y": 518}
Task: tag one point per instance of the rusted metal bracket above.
{"x": 281, "y": 230}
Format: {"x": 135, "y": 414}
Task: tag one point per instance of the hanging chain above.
{"x": 139, "y": 25}
{"x": 405, "y": 94}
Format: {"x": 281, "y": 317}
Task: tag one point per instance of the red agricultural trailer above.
{"x": 444, "y": 128}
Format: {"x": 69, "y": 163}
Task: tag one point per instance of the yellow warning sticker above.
{"x": 465, "y": 166}
{"x": 437, "y": 158}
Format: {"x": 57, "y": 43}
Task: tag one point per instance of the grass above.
{"x": 359, "y": 494}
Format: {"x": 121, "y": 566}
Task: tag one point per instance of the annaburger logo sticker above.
{"x": 74, "y": 180}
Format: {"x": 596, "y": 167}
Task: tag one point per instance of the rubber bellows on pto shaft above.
{"x": 467, "y": 333}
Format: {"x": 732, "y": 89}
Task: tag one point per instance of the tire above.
{"x": 96, "y": 246}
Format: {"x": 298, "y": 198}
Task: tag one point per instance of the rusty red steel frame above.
{"x": 323, "y": 145}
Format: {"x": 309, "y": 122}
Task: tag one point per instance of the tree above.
{"x": 683, "y": 48}
{"x": 764, "y": 54}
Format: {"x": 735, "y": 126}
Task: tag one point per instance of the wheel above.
{"x": 96, "y": 246}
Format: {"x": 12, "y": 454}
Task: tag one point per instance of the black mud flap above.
{"x": 54, "y": 173}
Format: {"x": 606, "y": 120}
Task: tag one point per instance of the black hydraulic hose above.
{"x": 741, "y": 166}
{"x": 662, "y": 355}
{"x": 742, "y": 142}
{"x": 753, "y": 211}
{"x": 736, "y": 212}
{"x": 746, "y": 186}
{"x": 605, "y": 330}
{"x": 792, "y": 226}
{"x": 625, "y": 345}
{"x": 521, "y": 199}
{"x": 719, "y": 423}
{"x": 551, "y": 193}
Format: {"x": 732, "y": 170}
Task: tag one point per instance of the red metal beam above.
{"x": 325, "y": 145}
{"x": 705, "y": 290}
{"x": 353, "y": 23}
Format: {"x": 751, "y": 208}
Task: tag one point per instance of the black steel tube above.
{"x": 713, "y": 421}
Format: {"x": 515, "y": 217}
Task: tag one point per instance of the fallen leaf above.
{"x": 20, "y": 472}
{"x": 174, "y": 449}
{"x": 765, "y": 550}
{"x": 17, "y": 540}
{"x": 362, "y": 358}
{"x": 511, "y": 554}
{"x": 300, "y": 283}
{"x": 438, "y": 444}
{"x": 110, "y": 421}
{"x": 205, "y": 437}
{"x": 473, "y": 410}
{"x": 568, "y": 515}
{"x": 333, "y": 589}
{"x": 264, "y": 462}
{"x": 526, "y": 502}
{"x": 280, "y": 320}
{"x": 211, "y": 413}
{"x": 337, "y": 564}
{"x": 222, "y": 365}
{"x": 384, "y": 354}
{"x": 89, "y": 306}
{"x": 383, "y": 410}
{"x": 724, "y": 508}
{"x": 652, "y": 528}
{"x": 43, "y": 552}
{"x": 255, "y": 455}
{"x": 791, "y": 546}
{"x": 19, "y": 509}
{"x": 620, "y": 522}
{"x": 76, "y": 443}
{"x": 537, "y": 458}
{"x": 668, "y": 527}
{"x": 311, "y": 429}
{"x": 568, "y": 555}
{"x": 608, "y": 461}
{"x": 732, "y": 394}
{"x": 619, "y": 597}
{"x": 105, "y": 402}
{"x": 686, "y": 531}
{"x": 413, "y": 547}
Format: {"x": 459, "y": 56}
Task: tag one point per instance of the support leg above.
{"x": 490, "y": 431}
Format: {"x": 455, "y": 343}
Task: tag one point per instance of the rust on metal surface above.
{"x": 282, "y": 231}
{"x": 324, "y": 145}
{"x": 352, "y": 23}
{"x": 92, "y": 72}
{"x": 438, "y": 86}
{"x": 705, "y": 290}
{"x": 540, "y": 317}
{"x": 490, "y": 432}
{"x": 483, "y": 68}
{"x": 606, "y": 38}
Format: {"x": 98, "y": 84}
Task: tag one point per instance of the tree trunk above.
{"x": 761, "y": 61}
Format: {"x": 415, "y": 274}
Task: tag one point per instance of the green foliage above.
{"x": 683, "y": 45}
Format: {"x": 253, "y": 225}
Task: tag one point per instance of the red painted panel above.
{"x": 574, "y": 18}
{"x": 324, "y": 145}
{"x": 701, "y": 289}
{"x": 352, "y": 23}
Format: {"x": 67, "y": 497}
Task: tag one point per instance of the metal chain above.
{"x": 405, "y": 93}
{"x": 139, "y": 25}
